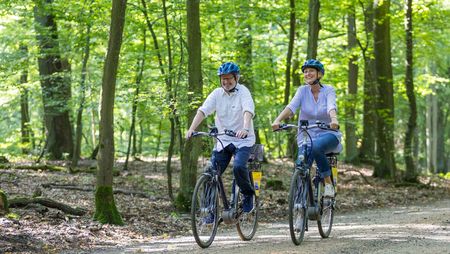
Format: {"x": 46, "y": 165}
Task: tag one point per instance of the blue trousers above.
{"x": 326, "y": 143}
{"x": 240, "y": 169}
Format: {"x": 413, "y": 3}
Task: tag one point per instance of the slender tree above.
{"x": 168, "y": 79}
{"x": 292, "y": 142}
{"x": 351, "y": 151}
{"x": 86, "y": 53}
{"x": 411, "y": 171}
{"x": 385, "y": 165}
{"x": 139, "y": 74}
{"x": 367, "y": 150}
{"x": 105, "y": 207}
{"x": 24, "y": 104}
{"x": 192, "y": 148}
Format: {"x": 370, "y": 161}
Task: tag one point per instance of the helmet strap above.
{"x": 317, "y": 82}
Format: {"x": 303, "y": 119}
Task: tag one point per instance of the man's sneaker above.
{"x": 329, "y": 191}
{"x": 209, "y": 219}
{"x": 248, "y": 203}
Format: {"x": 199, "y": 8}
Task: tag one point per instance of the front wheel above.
{"x": 204, "y": 214}
{"x": 247, "y": 222}
{"x": 298, "y": 207}
{"x": 325, "y": 221}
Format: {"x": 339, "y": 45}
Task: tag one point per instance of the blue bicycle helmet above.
{"x": 313, "y": 63}
{"x": 227, "y": 68}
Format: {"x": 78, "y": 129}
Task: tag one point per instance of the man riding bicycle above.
{"x": 317, "y": 102}
{"x": 234, "y": 108}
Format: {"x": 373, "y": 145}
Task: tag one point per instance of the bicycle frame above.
{"x": 313, "y": 206}
{"x": 305, "y": 169}
{"x": 229, "y": 215}
{"x": 217, "y": 179}
{"x": 209, "y": 190}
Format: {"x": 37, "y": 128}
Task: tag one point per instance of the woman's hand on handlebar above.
{"x": 275, "y": 126}
{"x": 334, "y": 124}
{"x": 189, "y": 134}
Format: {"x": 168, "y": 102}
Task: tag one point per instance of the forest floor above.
{"x": 149, "y": 214}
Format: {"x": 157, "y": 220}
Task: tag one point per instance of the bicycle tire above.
{"x": 247, "y": 222}
{"x": 204, "y": 203}
{"x": 298, "y": 207}
{"x": 326, "y": 216}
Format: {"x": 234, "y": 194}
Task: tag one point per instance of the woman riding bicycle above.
{"x": 234, "y": 108}
{"x": 317, "y": 102}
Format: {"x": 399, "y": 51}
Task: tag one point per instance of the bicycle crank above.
{"x": 313, "y": 212}
{"x": 229, "y": 216}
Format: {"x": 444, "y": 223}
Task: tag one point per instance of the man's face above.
{"x": 228, "y": 82}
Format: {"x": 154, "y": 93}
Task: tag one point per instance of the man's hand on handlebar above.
{"x": 242, "y": 133}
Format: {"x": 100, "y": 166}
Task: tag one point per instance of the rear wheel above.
{"x": 298, "y": 207}
{"x": 325, "y": 221}
{"x": 204, "y": 215}
{"x": 247, "y": 222}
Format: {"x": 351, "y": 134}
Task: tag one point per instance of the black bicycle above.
{"x": 205, "y": 217}
{"x": 306, "y": 200}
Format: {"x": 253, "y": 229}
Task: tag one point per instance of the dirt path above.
{"x": 412, "y": 229}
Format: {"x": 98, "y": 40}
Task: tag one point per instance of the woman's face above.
{"x": 310, "y": 75}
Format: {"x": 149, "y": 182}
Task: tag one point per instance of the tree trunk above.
{"x": 313, "y": 29}
{"x": 432, "y": 129}
{"x": 55, "y": 82}
{"x": 170, "y": 93}
{"x": 24, "y": 109}
{"x": 245, "y": 56}
{"x": 4, "y": 206}
{"x": 292, "y": 143}
{"x": 367, "y": 151}
{"x": 140, "y": 71}
{"x": 105, "y": 207}
{"x": 385, "y": 166}
{"x": 351, "y": 151}
{"x": 440, "y": 142}
{"x": 171, "y": 100}
{"x": 79, "y": 129}
{"x": 192, "y": 147}
{"x": 411, "y": 169}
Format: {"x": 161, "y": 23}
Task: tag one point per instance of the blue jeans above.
{"x": 240, "y": 170}
{"x": 326, "y": 143}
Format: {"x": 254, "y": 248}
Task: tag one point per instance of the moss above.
{"x": 13, "y": 216}
{"x": 105, "y": 208}
{"x": 4, "y": 207}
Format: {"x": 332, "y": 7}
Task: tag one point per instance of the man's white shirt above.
{"x": 230, "y": 109}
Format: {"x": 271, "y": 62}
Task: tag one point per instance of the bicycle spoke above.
{"x": 204, "y": 211}
{"x": 297, "y": 207}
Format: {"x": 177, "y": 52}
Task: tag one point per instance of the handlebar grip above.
{"x": 230, "y": 133}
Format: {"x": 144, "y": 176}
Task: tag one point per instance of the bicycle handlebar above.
{"x": 214, "y": 134}
{"x": 318, "y": 124}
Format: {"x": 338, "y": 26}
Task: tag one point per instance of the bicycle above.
{"x": 205, "y": 199}
{"x": 306, "y": 200}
